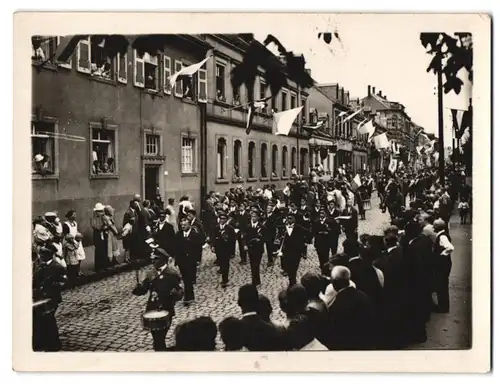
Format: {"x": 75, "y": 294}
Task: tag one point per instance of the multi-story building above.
{"x": 233, "y": 157}
{"x": 390, "y": 114}
{"x": 341, "y": 129}
{"x": 135, "y": 134}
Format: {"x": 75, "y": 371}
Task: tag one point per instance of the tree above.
{"x": 455, "y": 52}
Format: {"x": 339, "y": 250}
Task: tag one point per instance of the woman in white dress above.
{"x": 70, "y": 226}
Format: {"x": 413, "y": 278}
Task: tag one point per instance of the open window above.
{"x": 104, "y": 150}
{"x": 92, "y": 59}
{"x": 43, "y": 151}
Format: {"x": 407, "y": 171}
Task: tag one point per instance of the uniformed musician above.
{"x": 49, "y": 278}
{"x": 223, "y": 246}
{"x": 163, "y": 285}
{"x": 254, "y": 243}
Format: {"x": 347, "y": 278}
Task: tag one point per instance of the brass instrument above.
{"x": 280, "y": 241}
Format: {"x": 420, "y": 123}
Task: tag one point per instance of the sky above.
{"x": 386, "y": 56}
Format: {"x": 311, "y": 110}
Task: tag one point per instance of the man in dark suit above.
{"x": 417, "y": 249}
{"x": 321, "y": 233}
{"x": 223, "y": 246}
{"x": 271, "y": 222}
{"x": 164, "y": 233}
{"x": 254, "y": 243}
{"x": 241, "y": 218}
{"x": 396, "y": 292}
{"x": 257, "y": 334}
{"x": 194, "y": 222}
{"x": 350, "y": 224}
{"x": 295, "y": 238}
{"x": 163, "y": 285}
{"x": 351, "y": 315}
{"x": 186, "y": 249}
{"x": 49, "y": 278}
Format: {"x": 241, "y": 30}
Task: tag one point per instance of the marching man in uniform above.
{"x": 163, "y": 285}
{"x": 254, "y": 243}
{"x": 223, "y": 246}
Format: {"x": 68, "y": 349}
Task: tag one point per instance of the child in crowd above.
{"x": 463, "y": 208}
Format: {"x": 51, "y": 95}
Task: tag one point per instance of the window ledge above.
{"x": 152, "y": 92}
{"x": 264, "y": 178}
{"x": 189, "y": 174}
{"x": 251, "y": 179}
{"x": 102, "y": 80}
{"x": 274, "y": 178}
{"x": 37, "y": 176}
{"x": 237, "y": 179}
{"x": 284, "y": 177}
{"x": 104, "y": 176}
{"x": 48, "y": 66}
{"x": 189, "y": 101}
{"x": 221, "y": 181}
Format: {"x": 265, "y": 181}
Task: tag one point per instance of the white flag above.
{"x": 360, "y": 125}
{"x": 187, "y": 71}
{"x": 460, "y": 115}
{"x": 367, "y": 128}
{"x": 425, "y": 136}
{"x": 381, "y": 141}
{"x": 357, "y": 180}
{"x": 430, "y": 147}
{"x": 393, "y": 165}
{"x": 282, "y": 121}
{"x": 353, "y": 114}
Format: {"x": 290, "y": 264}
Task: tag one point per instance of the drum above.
{"x": 44, "y": 306}
{"x": 156, "y": 320}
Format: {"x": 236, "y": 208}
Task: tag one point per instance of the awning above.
{"x": 317, "y": 141}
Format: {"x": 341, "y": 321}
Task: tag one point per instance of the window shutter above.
{"x": 138, "y": 71}
{"x": 178, "y": 84}
{"x": 83, "y": 56}
{"x": 122, "y": 68}
{"x": 202, "y": 85}
{"x": 167, "y": 72}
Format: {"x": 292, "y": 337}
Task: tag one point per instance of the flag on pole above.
{"x": 457, "y": 118}
{"x": 367, "y": 128}
{"x": 187, "y": 71}
{"x": 381, "y": 141}
{"x": 314, "y": 127}
{"x": 357, "y": 180}
{"x": 393, "y": 165}
{"x": 425, "y": 136}
{"x": 360, "y": 125}
{"x": 258, "y": 105}
{"x": 353, "y": 114}
{"x": 395, "y": 147}
{"x": 282, "y": 121}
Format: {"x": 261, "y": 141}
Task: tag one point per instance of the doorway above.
{"x": 151, "y": 182}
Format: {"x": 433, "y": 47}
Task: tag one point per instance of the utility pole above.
{"x": 299, "y": 125}
{"x": 440, "y": 119}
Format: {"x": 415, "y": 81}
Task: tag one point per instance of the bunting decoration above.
{"x": 282, "y": 121}
{"x": 254, "y": 106}
{"x": 393, "y": 165}
{"x": 395, "y": 147}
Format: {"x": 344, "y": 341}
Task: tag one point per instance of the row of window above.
{"x": 149, "y": 72}
{"x": 103, "y": 149}
{"x": 287, "y": 159}
{"x": 152, "y": 72}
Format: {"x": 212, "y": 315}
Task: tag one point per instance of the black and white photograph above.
{"x": 307, "y": 187}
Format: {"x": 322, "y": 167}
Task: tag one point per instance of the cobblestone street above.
{"x": 105, "y": 316}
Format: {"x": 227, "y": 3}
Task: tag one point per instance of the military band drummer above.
{"x": 163, "y": 285}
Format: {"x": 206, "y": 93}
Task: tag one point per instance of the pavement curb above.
{"x": 96, "y": 276}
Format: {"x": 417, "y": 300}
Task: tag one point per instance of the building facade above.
{"x": 134, "y": 133}
{"x": 233, "y": 157}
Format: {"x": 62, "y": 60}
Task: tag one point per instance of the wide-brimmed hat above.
{"x": 50, "y": 214}
{"x": 99, "y": 207}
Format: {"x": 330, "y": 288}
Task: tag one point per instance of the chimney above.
{"x": 336, "y": 91}
{"x": 379, "y": 93}
{"x": 373, "y": 90}
{"x": 342, "y": 96}
{"x": 369, "y": 90}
